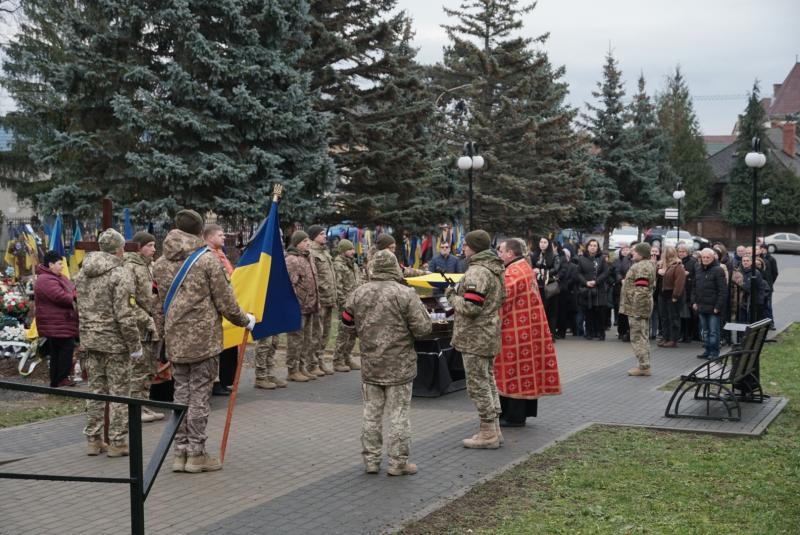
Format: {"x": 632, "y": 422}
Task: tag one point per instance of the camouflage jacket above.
{"x": 141, "y": 269}
{"x": 192, "y": 328}
{"x": 326, "y": 278}
{"x": 348, "y": 278}
{"x": 303, "y": 275}
{"x": 387, "y": 316}
{"x": 636, "y": 296}
{"x": 107, "y": 305}
{"x": 477, "y": 300}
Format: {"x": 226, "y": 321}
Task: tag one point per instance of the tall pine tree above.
{"x": 510, "y": 100}
{"x": 389, "y": 165}
{"x": 686, "y": 149}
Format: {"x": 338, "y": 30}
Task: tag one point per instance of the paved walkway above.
{"x": 293, "y": 463}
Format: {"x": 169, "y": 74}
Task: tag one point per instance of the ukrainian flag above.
{"x": 76, "y": 259}
{"x": 57, "y": 244}
{"x": 262, "y": 286}
{"x": 433, "y": 280}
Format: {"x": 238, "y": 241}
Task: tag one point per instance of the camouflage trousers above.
{"x": 395, "y": 402}
{"x": 299, "y": 344}
{"x": 640, "y": 340}
{"x": 265, "y": 356}
{"x": 320, "y": 334}
{"x": 109, "y": 373}
{"x": 193, "y": 384}
{"x": 481, "y": 387}
{"x": 345, "y": 342}
{"x": 142, "y": 371}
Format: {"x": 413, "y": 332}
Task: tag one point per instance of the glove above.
{"x": 137, "y": 354}
{"x": 251, "y": 322}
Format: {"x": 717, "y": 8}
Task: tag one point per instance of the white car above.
{"x": 783, "y": 242}
{"x": 622, "y": 235}
{"x": 670, "y": 239}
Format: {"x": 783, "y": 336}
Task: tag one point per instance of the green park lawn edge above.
{"x": 632, "y": 480}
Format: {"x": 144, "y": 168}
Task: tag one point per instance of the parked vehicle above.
{"x": 783, "y": 242}
{"x": 622, "y": 235}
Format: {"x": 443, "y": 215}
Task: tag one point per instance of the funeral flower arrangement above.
{"x": 13, "y": 334}
{"x": 15, "y": 304}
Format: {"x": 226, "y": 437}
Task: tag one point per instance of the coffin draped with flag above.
{"x": 262, "y": 286}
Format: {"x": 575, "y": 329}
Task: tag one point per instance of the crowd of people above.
{"x": 144, "y": 323}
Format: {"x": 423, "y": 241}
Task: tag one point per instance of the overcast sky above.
{"x": 722, "y": 46}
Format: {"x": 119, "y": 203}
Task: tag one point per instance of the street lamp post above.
{"x": 679, "y": 194}
{"x": 755, "y": 160}
{"x": 764, "y": 203}
{"x": 469, "y": 161}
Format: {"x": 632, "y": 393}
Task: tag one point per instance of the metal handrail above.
{"x": 140, "y": 481}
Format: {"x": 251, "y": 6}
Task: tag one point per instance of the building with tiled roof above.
{"x": 785, "y": 100}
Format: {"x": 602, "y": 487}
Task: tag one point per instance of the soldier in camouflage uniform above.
{"x": 386, "y": 241}
{"x": 348, "y": 278}
{"x": 476, "y": 332}
{"x": 110, "y": 337}
{"x": 326, "y": 286}
{"x": 192, "y": 330}
{"x": 143, "y": 369}
{"x": 303, "y": 275}
{"x": 636, "y": 302}
{"x": 265, "y": 364}
{"x": 387, "y": 316}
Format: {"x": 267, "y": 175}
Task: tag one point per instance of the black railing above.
{"x": 140, "y": 480}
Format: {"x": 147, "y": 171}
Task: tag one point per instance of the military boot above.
{"x": 639, "y": 372}
{"x": 486, "y": 438}
{"x": 405, "y": 469}
{"x": 296, "y": 375}
{"x": 324, "y": 368}
{"x": 353, "y": 365}
{"x": 498, "y": 431}
{"x": 305, "y": 370}
{"x": 96, "y": 446}
{"x": 179, "y": 462}
{"x": 280, "y": 383}
{"x": 117, "y": 450}
{"x": 265, "y": 383}
{"x": 315, "y": 371}
{"x": 340, "y": 366}
{"x": 202, "y": 463}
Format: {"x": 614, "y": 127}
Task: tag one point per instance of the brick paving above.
{"x": 293, "y": 462}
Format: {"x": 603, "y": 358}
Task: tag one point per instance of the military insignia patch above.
{"x": 132, "y": 300}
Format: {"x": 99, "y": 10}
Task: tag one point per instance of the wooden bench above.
{"x": 726, "y": 380}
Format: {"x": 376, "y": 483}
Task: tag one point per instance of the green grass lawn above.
{"x": 35, "y": 407}
{"x": 628, "y": 480}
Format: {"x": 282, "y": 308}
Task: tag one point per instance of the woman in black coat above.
{"x": 546, "y": 262}
{"x": 593, "y": 272}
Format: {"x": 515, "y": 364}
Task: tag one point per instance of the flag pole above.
{"x": 276, "y": 195}
{"x": 232, "y": 399}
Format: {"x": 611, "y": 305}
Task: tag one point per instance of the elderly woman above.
{"x": 56, "y": 317}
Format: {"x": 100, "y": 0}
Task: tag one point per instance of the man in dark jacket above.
{"x": 689, "y": 319}
{"x": 708, "y": 299}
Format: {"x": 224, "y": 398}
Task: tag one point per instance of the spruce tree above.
{"x": 169, "y": 104}
{"x": 506, "y": 96}
{"x": 686, "y": 149}
{"x": 390, "y": 167}
{"x": 781, "y": 185}
{"x": 625, "y": 185}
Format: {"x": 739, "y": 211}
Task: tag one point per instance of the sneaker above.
{"x": 639, "y": 372}
{"x": 149, "y": 415}
{"x": 115, "y": 450}
{"x": 219, "y": 390}
{"x": 202, "y": 463}
{"x": 372, "y": 468}
{"x": 703, "y": 356}
{"x": 65, "y": 382}
{"x": 96, "y": 446}
{"x": 179, "y": 462}
{"x": 407, "y": 469}
{"x": 506, "y": 423}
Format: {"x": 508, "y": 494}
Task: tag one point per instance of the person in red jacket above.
{"x": 56, "y": 317}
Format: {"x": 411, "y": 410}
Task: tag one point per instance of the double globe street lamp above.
{"x": 679, "y": 194}
{"x": 755, "y": 160}
{"x": 469, "y": 161}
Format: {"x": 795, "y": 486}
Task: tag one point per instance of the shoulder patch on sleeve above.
{"x": 132, "y": 300}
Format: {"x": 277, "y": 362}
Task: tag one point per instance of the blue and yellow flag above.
{"x": 76, "y": 259}
{"x": 433, "y": 280}
{"x": 57, "y": 244}
{"x": 262, "y": 286}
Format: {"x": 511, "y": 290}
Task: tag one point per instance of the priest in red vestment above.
{"x": 526, "y": 367}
